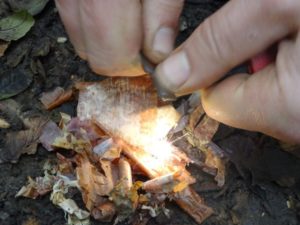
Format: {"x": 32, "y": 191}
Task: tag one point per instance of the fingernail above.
{"x": 164, "y": 40}
{"x": 174, "y": 71}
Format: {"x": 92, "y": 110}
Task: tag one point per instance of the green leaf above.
{"x": 15, "y": 26}
{"x": 34, "y": 7}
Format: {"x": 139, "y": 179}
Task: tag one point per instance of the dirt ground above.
{"x": 262, "y": 181}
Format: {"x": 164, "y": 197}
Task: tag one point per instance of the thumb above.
{"x": 235, "y": 33}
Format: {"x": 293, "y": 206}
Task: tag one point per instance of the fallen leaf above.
{"x": 4, "y": 124}
{"x": 107, "y": 150}
{"x": 3, "y": 46}
{"x": 193, "y": 204}
{"x": 76, "y": 216}
{"x": 18, "y": 55}
{"x": 49, "y": 134}
{"x": 56, "y": 97}
{"x": 20, "y": 142}
{"x": 201, "y": 128}
{"x": 14, "y": 82}
{"x": 15, "y": 26}
{"x": 34, "y": 7}
{"x": 104, "y": 212}
{"x": 69, "y": 141}
{"x": 38, "y": 187}
{"x": 125, "y": 200}
{"x": 94, "y": 185}
{"x": 65, "y": 165}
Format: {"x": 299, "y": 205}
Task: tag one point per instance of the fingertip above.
{"x": 129, "y": 69}
{"x": 161, "y": 18}
{"x": 162, "y": 45}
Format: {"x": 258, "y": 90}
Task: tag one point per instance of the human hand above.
{"x": 111, "y": 34}
{"x": 266, "y": 101}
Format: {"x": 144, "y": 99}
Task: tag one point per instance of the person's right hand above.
{"x": 267, "y": 101}
{"x": 110, "y": 34}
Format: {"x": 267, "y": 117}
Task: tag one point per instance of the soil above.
{"x": 262, "y": 181}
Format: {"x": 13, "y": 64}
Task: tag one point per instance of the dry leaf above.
{"x": 126, "y": 201}
{"x": 49, "y": 134}
{"x": 201, "y": 128}
{"x": 4, "y": 124}
{"x": 3, "y": 46}
{"x": 193, "y": 204}
{"x": 104, "y": 212}
{"x": 65, "y": 165}
{"x": 22, "y": 142}
{"x": 56, "y": 97}
{"x": 76, "y": 216}
{"x": 107, "y": 150}
{"x": 94, "y": 185}
{"x": 14, "y": 82}
{"x": 39, "y": 186}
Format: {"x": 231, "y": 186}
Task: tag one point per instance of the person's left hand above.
{"x": 111, "y": 34}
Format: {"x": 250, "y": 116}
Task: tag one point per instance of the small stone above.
{"x": 61, "y": 40}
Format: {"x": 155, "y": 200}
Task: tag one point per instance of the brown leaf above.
{"x": 3, "y": 46}
{"x": 94, "y": 185}
{"x": 104, "y": 212}
{"x": 107, "y": 150}
{"x": 49, "y": 134}
{"x": 56, "y": 97}
{"x": 194, "y": 205}
{"x": 201, "y": 128}
{"x": 22, "y": 142}
{"x": 126, "y": 200}
{"x": 65, "y": 165}
{"x": 38, "y": 187}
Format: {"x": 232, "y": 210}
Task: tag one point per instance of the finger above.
{"x": 161, "y": 18}
{"x": 69, "y": 13}
{"x": 113, "y": 36}
{"x": 235, "y": 33}
{"x": 254, "y": 102}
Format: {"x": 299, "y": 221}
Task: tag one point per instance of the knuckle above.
{"x": 216, "y": 44}
{"x": 284, "y": 9}
{"x": 170, "y": 4}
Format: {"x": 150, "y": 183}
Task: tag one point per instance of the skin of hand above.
{"x": 108, "y": 35}
{"x": 266, "y": 101}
